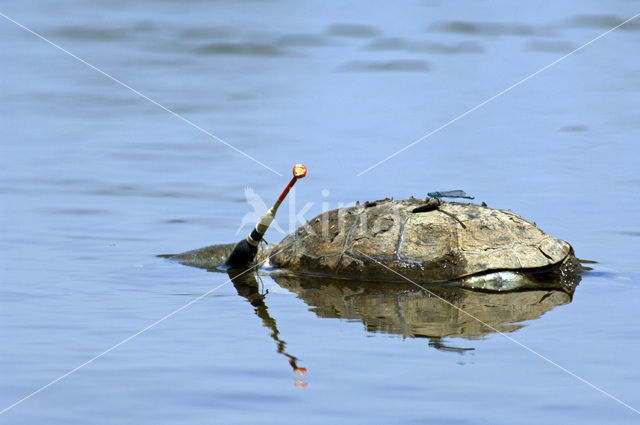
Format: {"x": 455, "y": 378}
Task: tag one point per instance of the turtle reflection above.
{"x": 438, "y": 312}
{"x": 435, "y": 312}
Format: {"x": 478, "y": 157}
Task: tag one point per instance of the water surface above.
{"x": 96, "y": 181}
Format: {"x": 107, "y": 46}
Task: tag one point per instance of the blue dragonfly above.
{"x": 449, "y": 194}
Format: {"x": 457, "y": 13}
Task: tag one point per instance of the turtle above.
{"x": 423, "y": 241}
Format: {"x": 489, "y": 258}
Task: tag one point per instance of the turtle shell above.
{"x": 425, "y": 242}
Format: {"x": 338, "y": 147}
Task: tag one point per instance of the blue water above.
{"x": 96, "y": 181}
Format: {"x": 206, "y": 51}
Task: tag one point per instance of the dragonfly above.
{"x": 449, "y": 194}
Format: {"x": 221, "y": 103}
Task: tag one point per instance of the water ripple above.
{"x": 550, "y": 46}
{"x": 353, "y": 30}
{"x": 489, "y": 28}
{"x": 401, "y": 44}
{"x": 303, "y": 40}
{"x": 243, "y": 49}
{"x": 601, "y": 22}
{"x": 403, "y": 65}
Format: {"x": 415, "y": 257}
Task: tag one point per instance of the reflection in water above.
{"x": 247, "y": 287}
{"x": 404, "y": 309}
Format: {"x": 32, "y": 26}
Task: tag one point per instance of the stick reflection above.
{"x": 247, "y": 287}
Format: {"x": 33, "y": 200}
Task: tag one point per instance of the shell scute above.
{"x": 448, "y": 242}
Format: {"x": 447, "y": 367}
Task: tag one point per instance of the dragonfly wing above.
{"x": 454, "y": 194}
{"x": 450, "y": 194}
